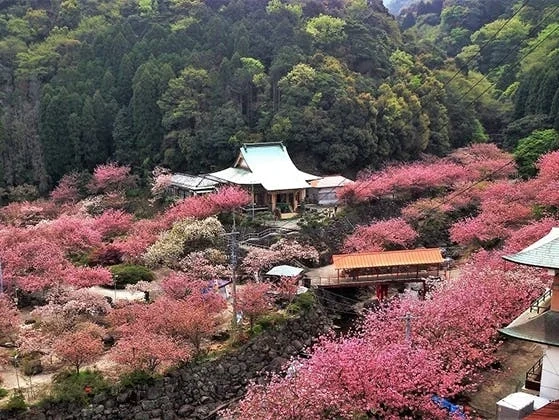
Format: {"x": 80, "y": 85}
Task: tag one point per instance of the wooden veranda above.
{"x": 383, "y": 268}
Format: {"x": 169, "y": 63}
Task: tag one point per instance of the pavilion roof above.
{"x": 539, "y": 329}
{"x": 543, "y": 253}
{"x": 285, "y": 270}
{"x": 421, "y": 256}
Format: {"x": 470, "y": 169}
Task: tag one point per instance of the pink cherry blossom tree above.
{"x": 382, "y": 235}
{"x": 111, "y": 177}
{"x": 78, "y": 348}
{"x": 161, "y": 179}
{"x": 229, "y": 198}
{"x": 9, "y": 319}
{"x": 283, "y": 251}
{"x": 253, "y": 300}
{"x": 149, "y": 351}
{"x": 67, "y": 190}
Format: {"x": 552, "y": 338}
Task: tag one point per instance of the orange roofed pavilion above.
{"x": 407, "y": 257}
{"x": 384, "y": 268}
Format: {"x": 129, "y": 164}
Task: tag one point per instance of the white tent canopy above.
{"x": 285, "y": 270}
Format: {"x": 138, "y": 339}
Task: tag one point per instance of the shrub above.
{"x": 77, "y": 387}
{"x": 3, "y": 392}
{"x": 31, "y": 365}
{"x": 302, "y": 303}
{"x": 16, "y": 402}
{"x": 137, "y": 377}
{"x": 124, "y": 274}
{"x": 269, "y": 321}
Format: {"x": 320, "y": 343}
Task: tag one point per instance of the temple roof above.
{"x": 543, "y": 329}
{"x": 267, "y": 164}
{"x": 543, "y": 253}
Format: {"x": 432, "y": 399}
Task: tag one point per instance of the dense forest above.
{"x": 343, "y": 83}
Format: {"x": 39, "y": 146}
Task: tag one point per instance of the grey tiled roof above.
{"x": 543, "y": 253}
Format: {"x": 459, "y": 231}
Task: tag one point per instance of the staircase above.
{"x": 534, "y": 376}
{"x": 265, "y": 237}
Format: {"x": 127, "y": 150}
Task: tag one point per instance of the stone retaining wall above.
{"x": 198, "y": 390}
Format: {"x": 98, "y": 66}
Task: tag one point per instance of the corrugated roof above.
{"x": 192, "y": 182}
{"x": 543, "y": 253}
{"x": 333, "y": 181}
{"x": 547, "y": 412}
{"x": 423, "y": 256}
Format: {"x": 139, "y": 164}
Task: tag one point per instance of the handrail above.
{"x": 534, "y": 374}
{"x": 263, "y": 233}
{"x": 535, "y": 305}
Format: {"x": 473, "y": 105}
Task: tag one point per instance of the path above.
{"x": 117, "y": 294}
{"x": 516, "y": 357}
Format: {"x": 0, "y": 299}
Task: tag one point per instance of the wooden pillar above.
{"x": 295, "y": 200}
{"x": 274, "y": 200}
{"x": 555, "y": 293}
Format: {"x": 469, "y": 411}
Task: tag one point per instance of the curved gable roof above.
{"x": 272, "y": 167}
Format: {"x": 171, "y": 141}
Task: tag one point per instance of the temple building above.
{"x": 270, "y": 174}
{"x": 539, "y": 324}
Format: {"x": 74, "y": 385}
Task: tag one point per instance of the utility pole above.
{"x": 408, "y": 319}
{"x": 1, "y": 280}
{"x": 233, "y": 260}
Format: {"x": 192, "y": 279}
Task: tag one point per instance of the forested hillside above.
{"x": 182, "y": 83}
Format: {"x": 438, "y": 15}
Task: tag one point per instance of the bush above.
{"x": 16, "y": 402}
{"x": 269, "y": 321}
{"x": 302, "y": 303}
{"x": 136, "y": 377}
{"x": 3, "y": 392}
{"x": 77, "y": 387}
{"x": 31, "y": 365}
{"x": 124, "y": 274}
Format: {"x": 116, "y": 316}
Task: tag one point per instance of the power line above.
{"x": 486, "y": 43}
{"x": 532, "y": 32}
{"x": 460, "y": 192}
{"x": 366, "y": 183}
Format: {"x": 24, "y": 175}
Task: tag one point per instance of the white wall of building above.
{"x": 550, "y": 374}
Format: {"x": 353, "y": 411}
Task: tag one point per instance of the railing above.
{"x": 265, "y": 233}
{"x": 536, "y": 305}
{"x": 534, "y": 376}
{"x": 255, "y": 208}
{"x": 335, "y": 281}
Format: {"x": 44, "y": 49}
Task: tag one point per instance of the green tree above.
{"x": 530, "y": 148}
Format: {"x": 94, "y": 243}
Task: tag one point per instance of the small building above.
{"x": 184, "y": 185}
{"x": 542, "y": 328}
{"x": 324, "y": 191}
{"x": 540, "y": 323}
{"x": 270, "y": 174}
